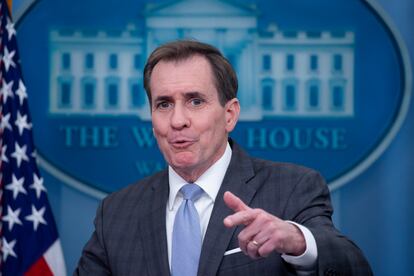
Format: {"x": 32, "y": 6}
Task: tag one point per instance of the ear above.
{"x": 232, "y": 112}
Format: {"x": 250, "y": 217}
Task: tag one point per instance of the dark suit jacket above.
{"x": 130, "y": 231}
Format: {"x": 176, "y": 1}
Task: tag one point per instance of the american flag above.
{"x": 29, "y": 240}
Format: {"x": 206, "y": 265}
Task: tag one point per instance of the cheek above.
{"x": 219, "y": 125}
{"x": 214, "y": 130}
{"x": 160, "y": 138}
{"x": 159, "y": 126}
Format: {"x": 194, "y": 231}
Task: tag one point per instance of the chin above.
{"x": 183, "y": 164}
{"x": 183, "y": 161}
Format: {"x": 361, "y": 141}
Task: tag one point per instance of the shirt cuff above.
{"x": 308, "y": 259}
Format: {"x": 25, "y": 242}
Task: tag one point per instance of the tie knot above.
{"x": 191, "y": 192}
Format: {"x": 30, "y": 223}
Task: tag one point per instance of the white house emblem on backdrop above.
{"x": 310, "y": 84}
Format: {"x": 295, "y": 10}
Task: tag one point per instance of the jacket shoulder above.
{"x": 251, "y": 166}
{"x": 283, "y": 170}
{"x": 133, "y": 193}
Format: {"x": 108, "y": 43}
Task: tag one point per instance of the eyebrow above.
{"x": 194, "y": 94}
{"x": 162, "y": 99}
{"x": 187, "y": 95}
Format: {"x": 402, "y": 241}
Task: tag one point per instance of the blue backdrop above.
{"x": 374, "y": 209}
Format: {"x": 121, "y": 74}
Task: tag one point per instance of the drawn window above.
{"x": 89, "y": 61}
{"x": 267, "y": 62}
{"x": 112, "y": 92}
{"x": 313, "y": 96}
{"x": 66, "y": 62}
{"x": 112, "y": 95}
{"x": 338, "y": 97}
{"x": 65, "y": 95}
{"x": 290, "y": 96}
{"x": 88, "y": 99}
{"x": 337, "y": 63}
{"x": 267, "y": 97}
{"x": 313, "y": 63}
{"x": 137, "y": 61}
{"x": 113, "y": 61}
{"x": 290, "y": 62}
{"x": 137, "y": 96}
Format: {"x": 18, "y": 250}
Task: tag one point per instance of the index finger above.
{"x": 238, "y": 206}
{"x": 234, "y": 203}
{"x": 240, "y": 218}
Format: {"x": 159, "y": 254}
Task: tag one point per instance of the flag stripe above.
{"x": 39, "y": 268}
{"x": 56, "y": 265}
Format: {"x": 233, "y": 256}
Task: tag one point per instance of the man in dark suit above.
{"x": 243, "y": 216}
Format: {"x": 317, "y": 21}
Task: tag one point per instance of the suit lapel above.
{"x": 217, "y": 237}
{"x": 153, "y": 228}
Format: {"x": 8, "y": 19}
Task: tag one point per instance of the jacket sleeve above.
{"x": 337, "y": 255}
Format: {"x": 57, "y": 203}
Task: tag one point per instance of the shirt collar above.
{"x": 210, "y": 181}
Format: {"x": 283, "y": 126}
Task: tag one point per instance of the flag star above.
{"x": 7, "y": 90}
{"x": 3, "y": 154}
{"x": 7, "y": 249}
{"x": 38, "y": 185}
{"x": 12, "y": 217}
{"x": 10, "y": 28}
{"x": 20, "y": 154}
{"x": 21, "y": 123}
{"x": 37, "y": 217}
{"x": 5, "y": 122}
{"x": 8, "y": 59}
{"x": 16, "y": 186}
{"x": 21, "y": 92}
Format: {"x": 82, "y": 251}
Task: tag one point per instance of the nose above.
{"x": 179, "y": 118}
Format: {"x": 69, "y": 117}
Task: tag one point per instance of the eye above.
{"x": 196, "y": 102}
{"x": 163, "y": 105}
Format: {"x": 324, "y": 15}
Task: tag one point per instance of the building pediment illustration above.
{"x": 200, "y": 8}
{"x": 201, "y": 14}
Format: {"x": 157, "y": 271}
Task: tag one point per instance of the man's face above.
{"x": 190, "y": 125}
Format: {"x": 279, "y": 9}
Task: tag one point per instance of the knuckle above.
{"x": 270, "y": 225}
{"x": 242, "y": 237}
{"x": 279, "y": 243}
{"x": 263, "y": 252}
{"x": 245, "y": 219}
{"x": 277, "y": 238}
{"x": 252, "y": 252}
{"x": 262, "y": 216}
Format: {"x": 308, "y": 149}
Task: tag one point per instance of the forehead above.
{"x": 194, "y": 72}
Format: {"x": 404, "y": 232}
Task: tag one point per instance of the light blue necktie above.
{"x": 186, "y": 241}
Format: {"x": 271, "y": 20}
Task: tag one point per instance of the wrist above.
{"x": 298, "y": 242}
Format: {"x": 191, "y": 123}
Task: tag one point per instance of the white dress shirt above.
{"x": 210, "y": 181}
